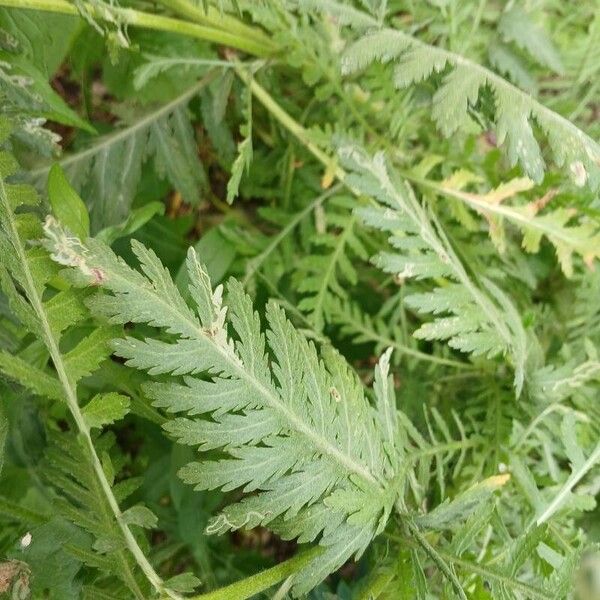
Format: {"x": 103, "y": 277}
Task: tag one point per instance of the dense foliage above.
{"x": 299, "y": 298}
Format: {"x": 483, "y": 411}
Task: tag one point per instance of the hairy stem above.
{"x": 52, "y": 345}
{"x": 135, "y": 18}
{"x": 219, "y": 20}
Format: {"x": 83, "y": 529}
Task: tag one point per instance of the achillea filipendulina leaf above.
{"x": 297, "y": 429}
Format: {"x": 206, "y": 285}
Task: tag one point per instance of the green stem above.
{"x": 376, "y": 337}
{"x": 257, "y": 261}
{"x": 573, "y": 480}
{"x": 447, "y": 571}
{"x": 484, "y": 571}
{"x": 300, "y": 132}
{"x": 241, "y": 590}
{"x": 135, "y": 18}
{"x": 330, "y": 164}
{"x": 292, "y": 310}
{"x": 51, "y": 342}
{"x": 218, "y": 20}
{"x": 289, "y": 123}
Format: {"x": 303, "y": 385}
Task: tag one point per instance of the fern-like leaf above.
{"x": 244, "y": 158}
{"x": 364, "y": 328}
{"x": 109, "y": 171}
{"x": 81, "y": 500}
{"x": 458, "y": 95}
{"x": 25, "y": 272}
{"x": 558, "y": 226}
{"x": 324, "y": 275}
{"x": 482, "y": 320}
{"x": 516, "y": 26}
{"x": 296, "y": 429}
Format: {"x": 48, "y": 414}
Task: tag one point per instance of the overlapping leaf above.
{"x": 295, "y": 429}
{"x": 516, "y": 112}
{"x": 480, "y": 319}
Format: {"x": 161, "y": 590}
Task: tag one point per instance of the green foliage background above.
{"x": 299, "y": 299}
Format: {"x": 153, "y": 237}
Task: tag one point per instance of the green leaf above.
{"x": 105, "y": 409}
{"x": 517, "y": 26}
{"x": 482, "y": 320}
{"x": 3, "y": 432}
{"x": 328, "y": 272}
{"x": 217, "y": 255}
{"x": 564, "y": 494}
{"x": 297, "y": 429}
{"x": 244, "y": 158}
{"x": 577, "y": 153}
{"x": 87, "y": 355}
{"x": 66, "y": 204}
{"x": 50, "y": 104}
{"x": 28, "y": 27}
{"x": 164, "y": 133}
{"x": 29, "y": 376}
{"x": 466, "y": 534}
{"x": 508, "y": 63}
{"x": 136, "y": 219}
{"x": 240, "y": 165}
{"x": 141, "y": 516}
{"x": 173, "y": 145}
{"x": 185, "y": 583}
{"x": 449, "y": 514}
{"x": 80, "y": 475}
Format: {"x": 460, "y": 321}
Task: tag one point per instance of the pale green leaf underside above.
{"x": 516, "y": 111}
{"x": 297, "y": 429}
{"x": 109, "y": 171}
{"x": 474, "y": 317}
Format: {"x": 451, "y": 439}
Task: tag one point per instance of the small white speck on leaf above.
{"x": 578, "y": 173}
{"x": 26, "y": 540}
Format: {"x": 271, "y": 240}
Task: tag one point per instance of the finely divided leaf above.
{"x": 298, "y": 430}
{"x": 108, "y": 172}
{"x": 473, "y": 316}
{"x": 516, "y": 111}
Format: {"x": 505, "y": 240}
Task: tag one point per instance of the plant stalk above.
{"x": 484, "y": 571}
{"x": 135, "y": 18}
{"x": 447, "y": 571}
{"x": 255, "y": 584}
{"x": 73, "y": 404}
{"x": 218, "y": 20}
{"x": 289, "y": 123}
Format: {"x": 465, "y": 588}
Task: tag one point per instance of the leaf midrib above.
{"x": 123, "y": 134}
{"x": 296, "y": 422}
